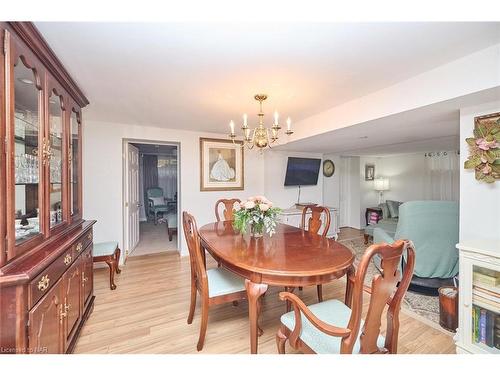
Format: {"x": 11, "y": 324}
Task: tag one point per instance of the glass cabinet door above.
{"x": 27, "y": 152}
{"x": 55, "y": 160}
{"x": 74, "y": 163}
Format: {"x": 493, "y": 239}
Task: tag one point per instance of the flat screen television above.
{"x": 302, "y": 171}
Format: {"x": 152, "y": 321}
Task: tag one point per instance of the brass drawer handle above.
{"x": 79, "y": 247}
{"x": 89, "y": 236}
{"x": 43, "y": 283}
{"x": 67, "y": 307}
{"x": 67, "y": 259}
{"x": 62, "y": 315}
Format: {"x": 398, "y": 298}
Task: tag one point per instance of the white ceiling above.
{"x": 199, "y": 76}
{"x": 432, "y": 128}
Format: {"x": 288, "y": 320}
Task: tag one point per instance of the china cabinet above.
{"x": 46, "y": 276}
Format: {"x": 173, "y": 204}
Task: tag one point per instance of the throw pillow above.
{"x": 158, "y": 201}
{"x": 385, "y": 210}
{"x": 394, "y": 208}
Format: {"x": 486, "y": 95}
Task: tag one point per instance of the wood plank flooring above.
{"x": 147, "y": 314}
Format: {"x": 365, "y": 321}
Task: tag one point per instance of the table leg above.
{"x": 254, "y": 291}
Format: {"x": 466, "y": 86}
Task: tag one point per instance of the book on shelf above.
{"x": 490, "y": 277}
{"x": 485, "y": 290}
{"x": 494, "y": 299}
{"x": 485, "y": 327}
{"x": 486, "y": 303}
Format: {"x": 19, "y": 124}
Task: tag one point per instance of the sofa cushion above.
{"x": 388, "y": 225}
{"x": 394, "y": 208}
{"x": 385, "y": 210}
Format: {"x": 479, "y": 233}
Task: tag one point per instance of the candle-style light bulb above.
{"x": 276, "y": 117}
{"x": 245, "y": 120}
{"x": 231, "y": 124}
{"x": 288, "y": 124}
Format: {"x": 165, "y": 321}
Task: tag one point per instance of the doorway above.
{"x": 151, "y": 197}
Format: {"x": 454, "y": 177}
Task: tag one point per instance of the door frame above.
{"x": 125, "y": 142}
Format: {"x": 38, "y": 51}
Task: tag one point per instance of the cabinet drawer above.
{"x": 48, "y": 277}
{"x": 82, "y": 242}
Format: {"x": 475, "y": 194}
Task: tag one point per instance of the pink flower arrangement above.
{"x": 486, "y": 145}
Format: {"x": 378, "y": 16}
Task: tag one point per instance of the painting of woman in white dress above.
{"x": 221, "y": 165}
{"x": 221, "y": 170}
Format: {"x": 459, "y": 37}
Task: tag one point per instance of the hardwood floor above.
{"x": 147, "y": 314}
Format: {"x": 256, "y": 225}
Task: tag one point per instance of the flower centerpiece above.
{"x": 258, "y": 213}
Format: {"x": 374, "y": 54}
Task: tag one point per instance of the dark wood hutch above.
{"x": 46, "y": 278}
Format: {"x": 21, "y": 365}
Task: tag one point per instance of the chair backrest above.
{"x": 385, "y": 290}
{"x": 227, "y": 212}
{"x": 432, "y": 226}
{"x": 196, "y": 257}
{"x": 314, "y": 222}
{"x": 154, "y": 192}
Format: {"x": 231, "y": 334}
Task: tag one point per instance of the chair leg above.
{"x": 204, "y": 323}
{"x": 320, "y": 292}
{"x": 111, "y": 265}
{"x": 288, "y": 303}
{"x": 300, "y": 288}
{"x": 192, "y": 305}
{"x": 117, "y": 257}
{"x": 170, "y": 234}
{"x": 366, "y": 238}
{"x": 280, "y": 341}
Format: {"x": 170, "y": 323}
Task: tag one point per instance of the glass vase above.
{"x": 256, "y": 231}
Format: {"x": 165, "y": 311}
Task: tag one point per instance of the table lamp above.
{"x": 381, "y": 184}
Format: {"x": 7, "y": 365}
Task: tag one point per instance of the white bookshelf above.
{"x": 479, "y": 256}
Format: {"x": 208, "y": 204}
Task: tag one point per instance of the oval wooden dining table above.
{"x": 292, "y": 257}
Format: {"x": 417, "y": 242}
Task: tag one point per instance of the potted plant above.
{"x": 258, "y": 213}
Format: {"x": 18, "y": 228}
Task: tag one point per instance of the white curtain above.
{"x": 442, "y": 176}
{"x": 167, "y": 175}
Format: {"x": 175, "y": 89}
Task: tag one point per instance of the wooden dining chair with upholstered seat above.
{"x": 227, "y": 213}
{"x": 336, "y": 327}
{"x": 215, "y": 286}
{"x": 313, "y": 225}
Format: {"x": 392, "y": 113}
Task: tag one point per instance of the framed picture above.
{"x": 221, "y": 165}
{"x": 369, "y": 172}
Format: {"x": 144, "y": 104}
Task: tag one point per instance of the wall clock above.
{"x": 328, "y": 168}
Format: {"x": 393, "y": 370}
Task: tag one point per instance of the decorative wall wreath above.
{"x": 484, "y": 148}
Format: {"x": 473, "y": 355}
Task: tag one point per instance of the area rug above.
{"x": 425, "y": 307}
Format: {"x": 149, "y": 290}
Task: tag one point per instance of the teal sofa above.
{"x": 432, "y": 226}
{"x": 389, "y": 221}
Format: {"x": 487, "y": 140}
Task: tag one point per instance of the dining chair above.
{"x": 227, "y": 213}
{"x": 313, "y": 225}
{"x": 216, "y": 285}
{"x": 336, "y": 327}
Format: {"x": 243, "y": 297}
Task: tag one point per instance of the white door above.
{"x": 132, "y": 198}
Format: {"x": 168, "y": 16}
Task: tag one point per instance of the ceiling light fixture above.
{"x": 260, "y": 136}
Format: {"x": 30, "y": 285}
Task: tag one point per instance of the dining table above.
{"x": 291, "y": 257}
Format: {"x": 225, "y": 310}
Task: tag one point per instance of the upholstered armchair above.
{"x": 432, "y": 226}
{"x": 156, "y": 202}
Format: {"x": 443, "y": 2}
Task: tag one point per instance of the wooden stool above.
{"x": 108, "y": 252}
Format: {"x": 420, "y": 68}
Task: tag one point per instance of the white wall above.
{"x": 102, "y": 175}
{"x": 479, "y": 202}
{"x": 331, "y": 185}
{"x": 274, "y": 178}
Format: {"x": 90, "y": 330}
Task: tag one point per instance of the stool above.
{"x": 171, "y": 220}
{"x": 110, "y": 253}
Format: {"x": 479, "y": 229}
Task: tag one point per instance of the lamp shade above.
{"x": 381, "y": 184}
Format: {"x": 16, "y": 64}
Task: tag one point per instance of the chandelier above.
{"x": 260, "y": 136}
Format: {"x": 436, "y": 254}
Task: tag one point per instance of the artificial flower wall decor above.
{"x": 484, "y": 148}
